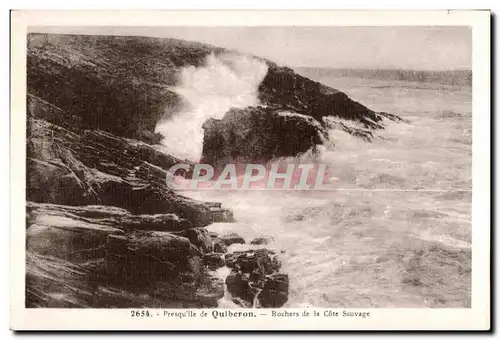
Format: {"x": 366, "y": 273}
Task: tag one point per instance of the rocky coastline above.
{"x": 103, "y": 230}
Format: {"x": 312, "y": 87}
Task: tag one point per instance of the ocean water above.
{"x": 225, "y": 81}
{"x": 396, "y": 231}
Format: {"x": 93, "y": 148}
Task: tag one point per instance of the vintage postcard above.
{"x": 250, "y": 170}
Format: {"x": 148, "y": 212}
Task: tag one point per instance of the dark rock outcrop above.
{"x": 255, "y": 276}
{"x": 293, "y": 120}
{"x": 231, "y": 238}
{"x": 142, "y": 259}
{"x": 286, "y": 89}
{"x": 263, "y": 240}
{"x": 94, "y": 167}
{"x": 219, "y": 246}
{"x": 103, "y": 229}
{"x": 275, "y": 291}
{"x": 250, "y": 260}
{"x": 106, "y": 216}
{"x": 238, "y": 285}
{"x": 86, "y": 257}
{"x": 214, "y": 260}
{"x": 259, "y": 134}
{"x": 112, "y": 83}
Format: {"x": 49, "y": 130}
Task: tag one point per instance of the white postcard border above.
{"x": 475, "y": 318}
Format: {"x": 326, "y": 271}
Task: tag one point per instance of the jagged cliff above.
{"x": 116, "y": 84}
{"x": 103, "y": 229}
{"x": 122, "y": 84}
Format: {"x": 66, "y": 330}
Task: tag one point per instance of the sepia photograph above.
{"x": 253, "y": 170}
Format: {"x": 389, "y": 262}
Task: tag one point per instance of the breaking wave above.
{"x": 225, "y": 81}
{"x": 397, "y": 232}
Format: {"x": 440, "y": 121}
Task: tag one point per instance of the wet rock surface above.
{"x": 255, "y": 279}
{"x": 248, "y": 261}
{"x": 259, "y": 134}
{"x": 284, "y": 88}
{"x": 77, "y": 256}
{"x": 219, "y": 246}
{"x": 275, "y": 291}
{"x": 214, "y": 260}
{"x": 103, "y": 229}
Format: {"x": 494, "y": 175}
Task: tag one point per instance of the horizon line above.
{"x": 383, "y": 68}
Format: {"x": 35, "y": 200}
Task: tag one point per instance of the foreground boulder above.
{"x": 259, "y": 134}
{"x": 148, "y": 258}
{"x": 85, "y": 257}
{"x": 214, "y": 260}
{"x": 255, "y": 279}
{"x": 275, "y": 291}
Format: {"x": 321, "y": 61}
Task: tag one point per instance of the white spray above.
{"x": 225, "y": 81}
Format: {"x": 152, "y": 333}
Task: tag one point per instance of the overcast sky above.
{"x": 410, "y": 47}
